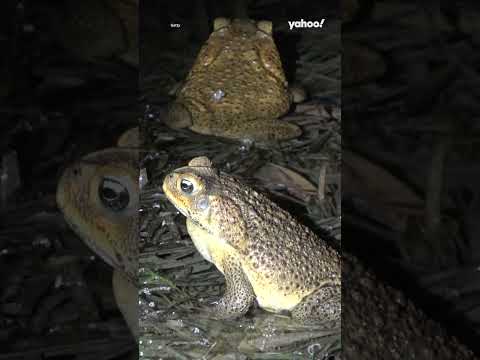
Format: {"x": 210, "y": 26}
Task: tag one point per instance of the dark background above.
{"x": 66, "y": 91}
{"x": 410, "y": 203}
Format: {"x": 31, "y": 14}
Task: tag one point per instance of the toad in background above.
{"x": 237, "y": 87}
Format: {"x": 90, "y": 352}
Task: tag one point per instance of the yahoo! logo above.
{"x": 305, "y": 24}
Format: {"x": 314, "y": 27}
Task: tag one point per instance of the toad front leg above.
{"x": 126, "y": 296}
{"x": 322, "y": 305}
{"x": 239, "y": 295}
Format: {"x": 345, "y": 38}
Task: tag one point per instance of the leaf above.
{"x": 389, "y": 199}
{"x": 273, "y": 175}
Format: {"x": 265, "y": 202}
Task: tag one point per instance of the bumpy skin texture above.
{"x": 261, "y": 249}
{"x": 236, "y": 87}
{"x": 379, "y": 322}
{"x": 87, "y": 194}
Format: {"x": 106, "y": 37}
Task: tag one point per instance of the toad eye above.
{"x": 113, "y": 194}
{"x": 186, "y": 186}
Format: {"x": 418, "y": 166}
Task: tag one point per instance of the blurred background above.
{"x": 69, "y": 86}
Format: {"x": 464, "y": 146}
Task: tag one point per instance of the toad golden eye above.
{"x": 113, "y": 194}
{"x": 186, "y": 186}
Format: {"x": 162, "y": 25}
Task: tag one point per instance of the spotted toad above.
{"x": 236, "y": 87}
{"x": 262, "y": 251}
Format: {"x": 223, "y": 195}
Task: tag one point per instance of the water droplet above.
{"x": 246, "y": 145}
{"x": 314, "y": 348}
{"x": 143, "y": 178}
{"x": 218, "y": 95}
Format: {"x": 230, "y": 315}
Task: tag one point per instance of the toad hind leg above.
{"x": 239, "y": 295}
{"x": 258, "y": 130}
{"x": 322, "y": 305}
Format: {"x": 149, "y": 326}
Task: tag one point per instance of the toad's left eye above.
{"x": 113, "y": 194}
{"x": 186, "y": 186}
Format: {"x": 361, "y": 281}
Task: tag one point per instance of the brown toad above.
{"x": 263, "y": 252}
{"x": 236, "y": 87}
{"x": 99, "y": 198}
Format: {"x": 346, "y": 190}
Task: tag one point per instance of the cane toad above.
{"x": 99, "y": 199}
{"x": 262, "y": 251}
{"x": 236, "y": 87}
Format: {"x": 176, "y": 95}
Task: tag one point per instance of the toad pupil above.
{"x": 113, "y": 194}
{"x": 109, "y": 194}
{"x": 186, "y": 186}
